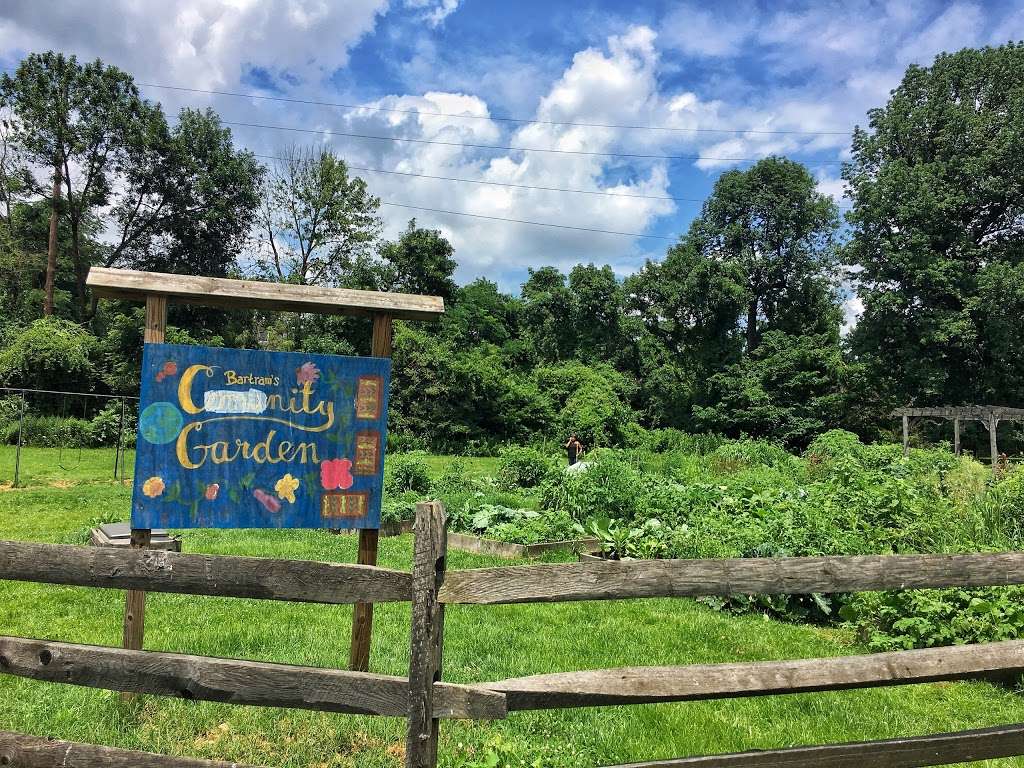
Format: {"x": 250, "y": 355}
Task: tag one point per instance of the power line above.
{"x": 507, "y": 148}
{"x": 533, "y": 223}
{"x": 522, "y": 120}
{"x": 599, "y": 193}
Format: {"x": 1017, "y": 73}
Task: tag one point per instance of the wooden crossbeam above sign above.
{"x": 250, "y": 294}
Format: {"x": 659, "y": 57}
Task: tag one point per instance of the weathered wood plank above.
{"x": 20, "y": 751}
{"x": 644, "y": 685}
{"x": 979, "y": 412}
{"x": 427, "y": 634}
{"x": 249, "y": 294}
{"x": 162, "y": 571}
{"x": 696, "y": 578}
{"x": 935, "y": 749}
{"x": 235, "y": 681}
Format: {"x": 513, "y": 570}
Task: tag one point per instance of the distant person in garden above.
{"x": 574, "y": 448}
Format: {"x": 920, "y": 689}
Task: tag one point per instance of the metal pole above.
{"x": 117, "y": 451}
{"x": 21, "y": 429}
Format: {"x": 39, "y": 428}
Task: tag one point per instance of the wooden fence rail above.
{"x": 218, "y": 575}
{"x": 642, "y": 685}
{"x": 612, "y": 580}
{"x": 935, "y": 749}
{"x": 424, "y": 699}
{"x": 20, "y": 751}
{"x": 235, "y": 681}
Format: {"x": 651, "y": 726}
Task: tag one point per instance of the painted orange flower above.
{"x": 211, "y": 491}
{"x": 153, "y": 487}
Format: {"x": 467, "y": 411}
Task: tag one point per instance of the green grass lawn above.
{"x": 481, "y": 643}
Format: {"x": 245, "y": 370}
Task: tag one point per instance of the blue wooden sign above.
{"x": 237, "y": 438}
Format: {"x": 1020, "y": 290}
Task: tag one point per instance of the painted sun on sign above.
{"x": 233, "y": 438}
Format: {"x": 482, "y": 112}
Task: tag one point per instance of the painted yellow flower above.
{"x": 153, "y": 487}
{"x": 286, "y": 488}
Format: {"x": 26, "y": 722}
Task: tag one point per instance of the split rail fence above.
{"x": 423, "y": 699}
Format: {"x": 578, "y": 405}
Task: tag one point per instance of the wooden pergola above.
{"x": 988, "y": 415}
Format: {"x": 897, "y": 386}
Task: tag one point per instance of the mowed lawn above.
{"x": 481, "y": 643}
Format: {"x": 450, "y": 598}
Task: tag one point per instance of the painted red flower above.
{"x": 307, "y": 372}
{"x": 336, "y": 473}
{"x": 170, "y": 368}
{"x": 211, "y": 491}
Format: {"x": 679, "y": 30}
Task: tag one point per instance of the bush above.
{"x": 523, "y": 467}
{"x": 737, "y": 454}
{"x": 406, "y": 472}
{"x": 50, "y": 354}
{"x": 107, "y": 425}
{"x": 936, "y": 617}
{"x": 49, "y": 432}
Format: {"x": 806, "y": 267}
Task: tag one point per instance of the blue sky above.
{"x": 734, "y": 80}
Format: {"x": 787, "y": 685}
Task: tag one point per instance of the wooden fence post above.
{"x": 362, "y": 613}
{"x": 956, "y": 435}
{"x": 993, "y": 429}
{"x": 428, "y": 569}
{"x": 135, "y": 601}
{"x": 906, "y": 435}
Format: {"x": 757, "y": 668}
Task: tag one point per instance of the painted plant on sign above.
{"x": 234, "y": 438}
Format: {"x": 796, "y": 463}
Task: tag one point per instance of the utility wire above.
{"x": 533, "y": 223}
{"x": 599, "y": 193}
{"x": 506, "y": 148}
{"x": 755, "y": 131}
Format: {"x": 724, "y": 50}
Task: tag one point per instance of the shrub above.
{"x": 107, "y": 425}
{"x": 736, "y": 454}
{"x": 49, "y": 432}
{"x": 49, "y": 354}
{"x": 935, "y": 617}
{"x": 608, "y": 486}
{"x": 406, "y": 472}
{"x": 523, "y": 467}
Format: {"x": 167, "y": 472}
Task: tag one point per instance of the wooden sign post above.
{"x": 362, "y": 613}
{"x": 206, "y": 486}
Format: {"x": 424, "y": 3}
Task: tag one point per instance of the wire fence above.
{"x": 56, "y": 402}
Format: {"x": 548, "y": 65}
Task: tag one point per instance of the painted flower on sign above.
{"x": 286, "y": 488}
{"x": 336, "y": 473}
{"x": 211, "y": 491}
{"x": 307, "y": 372}
{"x": 153, "y": 487}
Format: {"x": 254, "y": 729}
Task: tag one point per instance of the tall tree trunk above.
{"x": 51, "y": 251}
{"x": 752, "y": 325}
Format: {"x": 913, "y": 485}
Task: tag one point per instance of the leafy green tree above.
{"x": 773, "y": 226}
{"x": 420, "y": 261}
{"x": 789, "y": 389}
{"x": 314, "y": 218}
{"x": 480, "y": 313}
{"x": 82, "y": 121}
{"x": 547, "y": 313}
{"x": 937, "y": 181}
{"x": 596, "y": 306}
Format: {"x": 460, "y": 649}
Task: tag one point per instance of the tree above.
{"x": 547, "y": 313}
{"x": 937, "y": 182}
{"x": 771, "y": 224}
{"x": 788, "y": 389}
{"x": 198, "y": 193}
{"x": 596, "y": 311}
{"x": 315, "y": 219}
{"x": 81, "y": 121}
{"x": 420, "y": 261}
